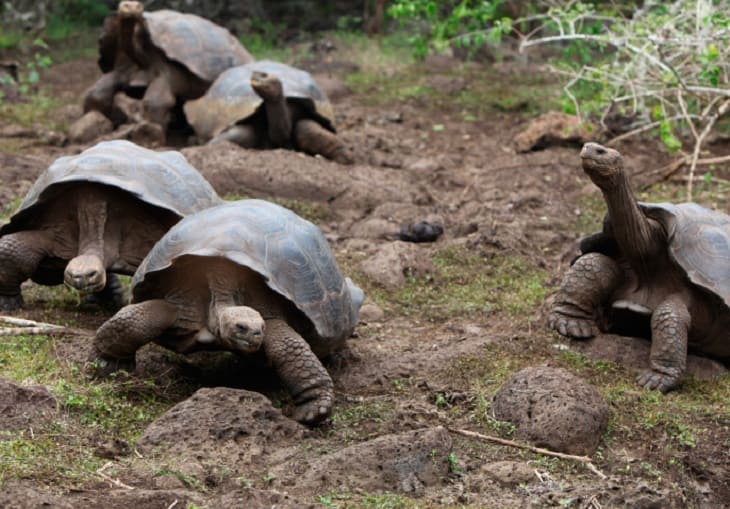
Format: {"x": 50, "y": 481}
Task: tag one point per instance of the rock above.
{"x": 89, "y": 127}
{"x": 509, "y": 473}
{"x": 447, "y": 85}
{"x": 553, "y": 408}
{"x": 142, "y": 133}
{"x": 25, "y": 406}
{"x": 403, "y": 462}
{"x": 394, "y": 261}
{"x": 370, "y": 313}
{"x": 231, "y": 423}
{"x": 374, "y": 228}
{"x": 554, "y": 128}
{"x": 126, "y": 110}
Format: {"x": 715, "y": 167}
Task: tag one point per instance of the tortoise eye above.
{"x": 601, "y": 151}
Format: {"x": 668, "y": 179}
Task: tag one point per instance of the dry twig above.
{"x": 539, "y": 450}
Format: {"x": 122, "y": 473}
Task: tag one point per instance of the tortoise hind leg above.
{"x": 20, "y": 255}
{"x": 301, "y": 371}
{"x": 670, "y": 325}
{"x": 119, "y": 338}
{"x": 312, "y": 138}
{"x": 586, "y": 287}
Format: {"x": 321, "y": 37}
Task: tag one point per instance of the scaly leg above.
{"x": 131, "y": 328}
{"x": 312, "y": 138}
{"x": 670, "y": 325}
{"x": 20, "y": 255}
{"x": 158, "y": 101}
{"x": 100, "y": 96}
{"x": 301, "y": 371}
{"x": 243, "y": 135}
{"x": 587, "y": 285}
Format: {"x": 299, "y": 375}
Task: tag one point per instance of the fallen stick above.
{"x": 539, "y": 450}
{"x": 25, "y": 326}
{"x": 115, "y": 482}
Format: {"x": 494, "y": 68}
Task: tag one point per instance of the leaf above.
{"x": 665, "y": 133}
{"x": 438, "y": 127}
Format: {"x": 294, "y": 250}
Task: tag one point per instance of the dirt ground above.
{"x": 445, "y": 325}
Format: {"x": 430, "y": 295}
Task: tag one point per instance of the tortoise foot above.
{"x": 103, "y": 366}
{"x": 111, "y": 297}
{"x": 571, "y": 326}
{"x": 664, "y": 382}
{"x": 11, "y": 302}
{"x": 315, "y": 410}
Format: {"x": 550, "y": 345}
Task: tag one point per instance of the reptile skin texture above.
{"x": 20, "y": 254}
{"x": 586, "y": 286}
{"x": 670, "y": 325}
{"x": 301, "y": 371}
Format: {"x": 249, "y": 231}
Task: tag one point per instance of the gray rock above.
{"x": 553, "y": 408}
{"x": 394, "y": 261}
{"x": 89, "y": 127}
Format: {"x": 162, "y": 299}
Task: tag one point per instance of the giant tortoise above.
{"x": 97, "y": 212}
{"x": 165, "y": 55}
{"x": 268, "y": 104}
{"x": 665, "y": 264}
{"x": 244, "y": 276}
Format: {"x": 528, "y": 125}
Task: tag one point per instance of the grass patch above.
{"x": 34, "y": 110}
{"x": 89, "y": 411}
{"x": 467, "y": 283}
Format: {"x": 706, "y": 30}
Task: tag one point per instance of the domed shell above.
{"x": 162, "y": 179}
{"x": 205, "y": 48}
{"x": 289, "y": 252}
{"x": 699, "y": 241}
{"x": 230, "y": 99}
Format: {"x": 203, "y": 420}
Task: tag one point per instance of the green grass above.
{"x": 89, "y": 411}
{"x": 465, "y": 284}
{"x": 36, "y": 109}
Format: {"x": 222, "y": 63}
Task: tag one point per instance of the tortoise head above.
{"x": 241, "y": 328}
{"x": 130, "y": 9}
{"x": 267, "y": 86}
{"x": 86, "y": 273}
{"x": 602, "y": 164}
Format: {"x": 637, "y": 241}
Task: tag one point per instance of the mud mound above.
{"x": 405, "y": 462}
{"x": 288, "y": 174}
{"x": 24, "y": 406}
{"x": 254, "y": 498}
{"x": 220, "y": 422}
{"x": 553, "y": 408}
{"x": 634, "y": 354}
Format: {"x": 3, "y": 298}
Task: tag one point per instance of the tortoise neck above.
{"x": 91, "y": 214}
{"x": 129, "y": 43}
{"x": 224, "y": 292}
{"x": 279, "y": 121}
{"x": 634, "y": 232}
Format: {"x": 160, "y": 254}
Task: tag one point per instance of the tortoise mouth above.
{"x": 130, "y": 10}
{"x": 247, "y": 345}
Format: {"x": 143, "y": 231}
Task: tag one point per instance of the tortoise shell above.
{"x": 203, "y": 47}
{"x": 230, "y": 99}
{"x": 698, "y": 240}
{"x": 162, "y": 179}
{"x": 289, "y": 252}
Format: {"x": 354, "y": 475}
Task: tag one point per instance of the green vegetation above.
{"x": 466, "y": 284}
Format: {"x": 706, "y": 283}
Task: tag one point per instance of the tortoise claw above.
{"x": 104, "y": 366}
{"x": 314, "y": 411}
{"x": 570, "y": 326}
{"x": 654, "y": 380}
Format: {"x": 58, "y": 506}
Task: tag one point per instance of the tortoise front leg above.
{"x": 158, "y": 101}
{"x": 20, "y": 255}
{"x": 100, "y": 97}
{"x": 587, "y": 285}
{"x": 312, "y": 138}
{"x": 119, "y": 338}
{"x": 301, "y": 371}
{"x": 241, "y": 134}
{"x": 670, "y": 325}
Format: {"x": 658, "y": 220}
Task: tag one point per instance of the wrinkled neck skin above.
{"x": 279, "y": 121}
{"x": 129, "y": 34}
{"x": 224, "y": 292}
{"x": 92, "y": 218}
{"x": 639, "y": 238}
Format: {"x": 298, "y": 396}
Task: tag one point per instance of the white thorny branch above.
{"x": 653, "y": 62}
